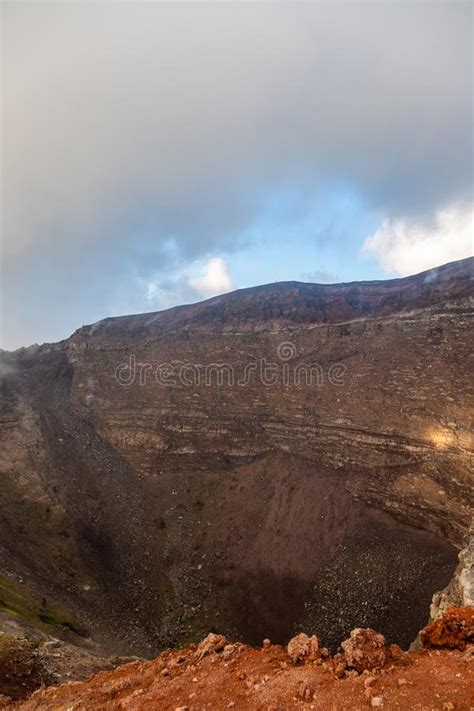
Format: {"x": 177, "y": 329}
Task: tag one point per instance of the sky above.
{"x": 160, "y": 153}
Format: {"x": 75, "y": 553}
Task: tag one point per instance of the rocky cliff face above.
{"x": 248, "y": 459}
{"x": 460, "y": 591}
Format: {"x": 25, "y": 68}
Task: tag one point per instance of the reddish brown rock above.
{"x": 454, "y": 630}
{"x": 212, "y": 644}
{"x": 366, "y": 649}
{"x": 339, "y": 665}
{"x": 303, "y": 648}
{"x": 305, "y": 691}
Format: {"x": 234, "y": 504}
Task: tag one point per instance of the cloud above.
{"x": 130, "y": 127}
{"x": 194, "y": 283}
{"x": 406, "y": 247}
{"x": 169, "y": 120}
{"x": 214, "y": 280}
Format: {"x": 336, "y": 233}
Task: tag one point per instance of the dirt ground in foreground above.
{"x": 242, "y": 677}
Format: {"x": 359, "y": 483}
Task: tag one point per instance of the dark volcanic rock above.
{"x": 206, "y": 468}
{"x": 21, "y": 671}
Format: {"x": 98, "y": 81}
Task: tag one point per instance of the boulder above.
{"x": 303, "y": 648}
{"x": 366, "y": 649}
{"x": 454, "y": 630}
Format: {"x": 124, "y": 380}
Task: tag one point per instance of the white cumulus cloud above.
{"x": 215, "y": 279}
{"x": 407, "y": 246}
{"x": 195, "y": 282}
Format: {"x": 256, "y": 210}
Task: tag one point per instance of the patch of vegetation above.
{"x": 15, "y": 600}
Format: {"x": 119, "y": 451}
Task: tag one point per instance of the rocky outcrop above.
{"x": 21, "y": 671}
{"x": 29, "y": 658}
{"x": 245, "y": 465}
{"x": 460, "y": 591}
{"x": 454, "y": 630}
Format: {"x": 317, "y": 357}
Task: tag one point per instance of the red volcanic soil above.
{"x": 219, "y": 675}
